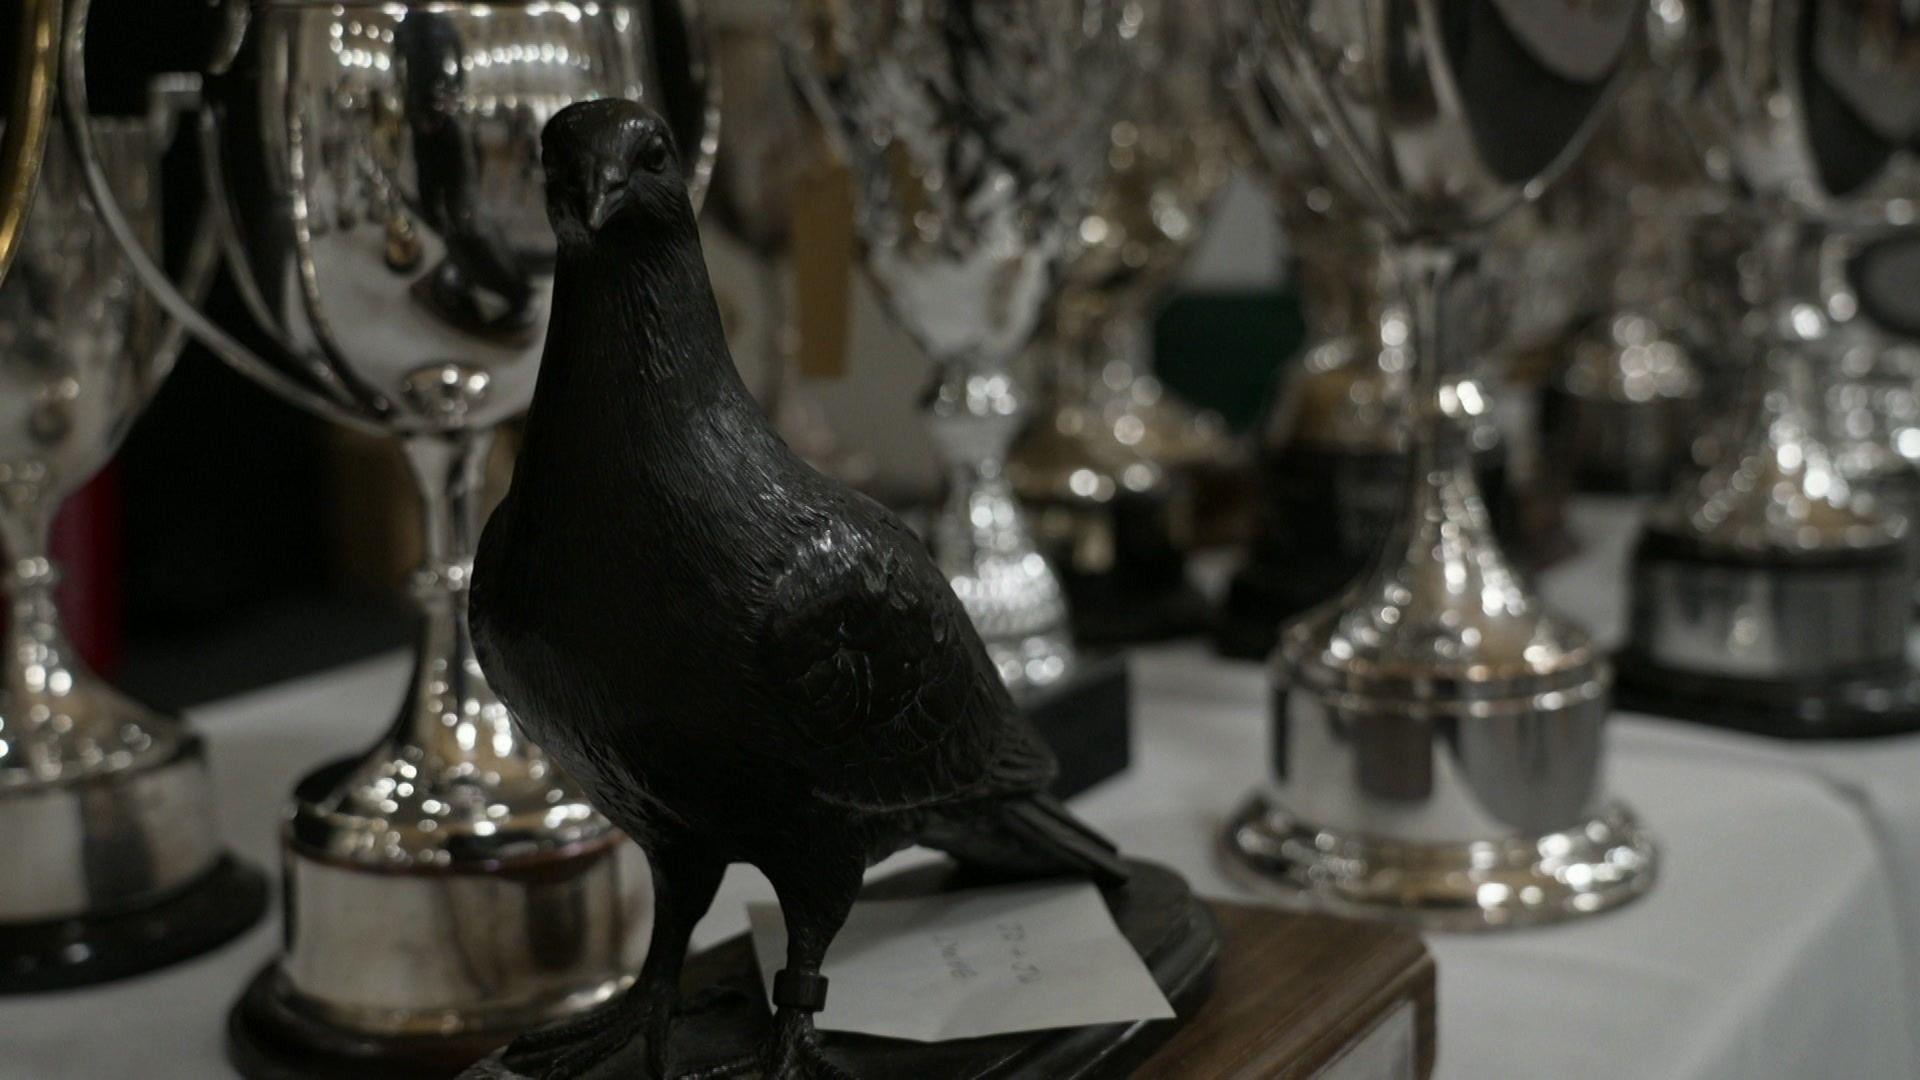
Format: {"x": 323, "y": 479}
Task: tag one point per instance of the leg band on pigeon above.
{"x": 799, "y": 990}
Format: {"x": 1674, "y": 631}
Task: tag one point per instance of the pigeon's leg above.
{"x": 815, "y": 897}
{"x": 684, "y": 880}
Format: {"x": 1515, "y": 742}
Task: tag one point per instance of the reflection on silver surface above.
{"x": 1436, "y": 710}
{"x": 104, "y": 804}
{"x": 1112, "y": 428}
{"x": 976, "y": 133}
{"x": 1793, "y": 519}
{"x": 379, "y": 195}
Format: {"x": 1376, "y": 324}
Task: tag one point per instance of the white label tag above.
{"x": 969, "y": 964}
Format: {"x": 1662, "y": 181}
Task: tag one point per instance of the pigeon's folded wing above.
{"x": 886, "y": 696}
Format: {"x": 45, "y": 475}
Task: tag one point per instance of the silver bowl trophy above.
{"x": 375, "y": 181}
{"x": 1771, "y": 594}
{"x": 1332, "y": 450}
{"x": 1619, "y": 414}
{"x": 977, "y": 133}
{"x": 106, "y": 807}
{"x": 1438, "y": 747}
{"x": 1114, "y": 466}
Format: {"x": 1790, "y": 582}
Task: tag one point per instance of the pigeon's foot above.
{"x": 573, "y": 1050}
{"x": 796, "y": 1053}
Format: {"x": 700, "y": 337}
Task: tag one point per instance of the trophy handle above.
{"x": 180, "y": 94}
{"x": 684, "y": 62}
{"x": 27, "y": 109}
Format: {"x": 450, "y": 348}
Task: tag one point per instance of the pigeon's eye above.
{"x": 652, "y": 154}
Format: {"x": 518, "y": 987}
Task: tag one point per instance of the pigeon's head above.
{"x": 610, "y": 162}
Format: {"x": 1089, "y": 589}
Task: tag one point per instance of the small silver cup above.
{"x": 377, "y": 191}
{"x": 106, "y": 806}
{"x": 1437, "y": 733}
{"x": 977, "y": 133}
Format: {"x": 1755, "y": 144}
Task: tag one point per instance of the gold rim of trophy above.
{"x": 29, "y": 108}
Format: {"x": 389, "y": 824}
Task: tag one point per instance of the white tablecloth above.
{"x": 1772, "y": 946}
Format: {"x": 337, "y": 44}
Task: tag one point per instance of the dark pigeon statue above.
{"x": 741, "y": 660}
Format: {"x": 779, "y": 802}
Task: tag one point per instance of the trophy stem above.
{"x": 980, "y": 535}
{"x": 452, "y": 713}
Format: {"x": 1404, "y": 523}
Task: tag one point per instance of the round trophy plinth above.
{"x": 1792, "y": 644}
{"x": 1120, "y": 562}
{"x": 1456, "y": 804}
{"x": 1621, "y": 419}
{"x": 1466, "y": 885}
{"x": 412, "y": 959}
{"x": 127, "y": 872}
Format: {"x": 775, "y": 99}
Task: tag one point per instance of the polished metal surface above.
{"x": 29, "y": 108}
{"x": 1804, "y": 110}
{"x": 108, "y": 800}
{"x": 1111, "y": 427}
{"x": 977, "y": 133}
{"x": 1437, "y": 709}
{"x": 379, "y": 199}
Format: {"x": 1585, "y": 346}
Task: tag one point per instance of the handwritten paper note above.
{"x": 981, "y": 962}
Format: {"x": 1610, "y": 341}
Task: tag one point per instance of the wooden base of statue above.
{"x": 1176, "y": 935}
{"x": 1259, "y": 993}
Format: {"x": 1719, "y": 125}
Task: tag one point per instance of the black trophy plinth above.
{"x": 1087, "y": 718}
{"x": 1840, "y": 617}
{"x": 1124, "y": 571}
{"x": 61, "y": 954}
{"x": 1177, "y": 936}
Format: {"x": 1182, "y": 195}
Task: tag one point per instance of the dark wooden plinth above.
{"x": 1854, "y": 707}
{"x": 1294, "y": 993}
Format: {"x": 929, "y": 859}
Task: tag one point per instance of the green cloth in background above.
{"x": 1223, "y": 350}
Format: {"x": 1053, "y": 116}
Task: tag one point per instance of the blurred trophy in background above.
{"x": 1772, "y": 593}
{"x": 1619, "y": 414}
{"x": 1438, "y": 751}
{"x": 770, "y": 146}
{"x": 977, "y": 133}
{"x": 1111, "y": 466}
{"x": 115, "y": 865}
{"x": 1333, "y": 450}
{"x": 375, "y": 176}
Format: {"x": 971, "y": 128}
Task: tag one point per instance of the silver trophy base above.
{"x": 1480, "y": 885}
{"x": 122, "y": 869}
{"x": 418, "y": 970}
{"x": 1805, "y": 645}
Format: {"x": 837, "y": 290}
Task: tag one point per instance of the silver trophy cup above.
{"x": 106, "y": 807}
{"x": 376, "y": 186}
{"x": 977, "y": 133}
{"x": 1774, "y": 592}
{"x": 1438, "y": 754}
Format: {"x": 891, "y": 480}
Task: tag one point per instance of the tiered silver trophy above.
{"x": 1772, "y": 594}
{"x": 376, "y": 183}
{"x": 1114, "y": 465}
{"x": 1438, "y": 745}
{"x": 106, "y": 807}
{"x": 977, "y": 132}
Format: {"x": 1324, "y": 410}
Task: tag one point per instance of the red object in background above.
{"x": 86, "y": 546}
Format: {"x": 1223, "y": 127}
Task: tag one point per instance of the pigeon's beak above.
{"x": 602, "y": 205}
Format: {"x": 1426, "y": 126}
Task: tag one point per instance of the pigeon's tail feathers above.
{"x": 1028, "y": 836}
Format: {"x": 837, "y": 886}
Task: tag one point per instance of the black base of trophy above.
{"x": 1854, "y": 707}
{"x": 1108, "y": 611}
{"x": 1177, "y": 936}
{"x": 1088, "y": 720}
{"x": 61, "y": 954}
{"x": 1261, "y": 598}
{"x": 268, "y": 1040}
